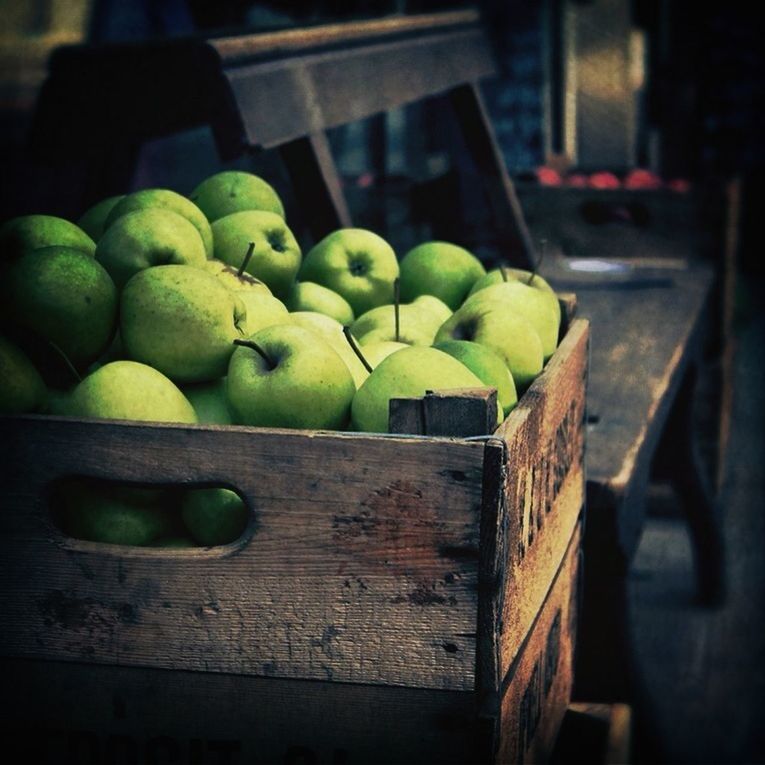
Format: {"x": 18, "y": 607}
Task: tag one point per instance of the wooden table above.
{"x": 648, "y": 325}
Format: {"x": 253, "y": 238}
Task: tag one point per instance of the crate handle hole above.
{"x": 144, "y": 516}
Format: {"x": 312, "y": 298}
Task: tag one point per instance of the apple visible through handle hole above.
{"x": 356, "y": 349}
{"x": 255, "y": 347}
{"x": 135, "y": 515}
{"x": 246, "y": 260}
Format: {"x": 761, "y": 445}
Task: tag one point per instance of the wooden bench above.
{"x": 648, "y": 325}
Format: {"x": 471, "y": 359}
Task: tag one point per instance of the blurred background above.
{"x": 588, "y": 93}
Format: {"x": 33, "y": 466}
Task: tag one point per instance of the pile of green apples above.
{"x": 202, "y": 309}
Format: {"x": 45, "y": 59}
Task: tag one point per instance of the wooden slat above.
{"x": 360, "y": 566}
{"x": 284, "y": 99}
{"x": 72, "y": 712}
{"x": 544, "y": 493}
{"x": 462, "y": 413}
{"x": 538, "y": 689}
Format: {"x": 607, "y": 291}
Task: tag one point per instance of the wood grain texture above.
{"x": 538, "y": 688}
{"x": 349, "y": 572}
{"x": 463, "y": 412}
{"x": 544, "y": 493}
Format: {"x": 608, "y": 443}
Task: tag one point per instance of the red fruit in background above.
{"x": 546, "y": 176}
{"x": 680, "y": 185}
{"x": 604, "y": 180}
{"x": 642, "y": 179}
{"x": 577, "y": 180}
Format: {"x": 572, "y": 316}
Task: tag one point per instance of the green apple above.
{"x": 418, "y": 323}
{"x": 93, "y": 220}
{"x": 22, "y": 389}
{"x": 164, "y": 199}
{"x": 98, "y": 511}
{"x": 300, "y": 381}
{"x": 128, "y": 390}
{"x": 508, "y": 274}
{"x": 441, "y": 269}
{"x": 486, "y": 364}
{"x": 433, "y": 305}
{"x": 233, "y": 280}
{"x": 214, "y": 516}
{"x": 182, "y": 321}
{"x": 375, "y": 352}
{"x": 209, "y": 401}
{"x": 332, "y": 331}
{"x": 309, "y": 296}
{"x": 145, "y": 238}
{"x": 357, "y": 264}
{"x": 234, "y": 191}
{"x": 409, "y": 372}
{"x": 32, "y": 232}
{"x": 503, "y": 330}
{"x": 175, "y": 542}
{"x": 538, "y": 305}
{"x": 58, "y": 401}
{"x": 60, "y": 296}
{"x": 276, "y": 255}
{"x": 263, "y": 309}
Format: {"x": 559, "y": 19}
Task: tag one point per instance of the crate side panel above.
{"x": 129, "y": 714}
{"x": 361, "y": 565}
{"x": 545, "y": 486}
{"x": 538, "y": 689}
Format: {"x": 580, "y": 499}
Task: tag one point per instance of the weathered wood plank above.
{"x": 88, "y": 713}
{"x": 544, "y": 493}
{"x": 350, "y": 572}
{"x": 538, "y": 687}
{"x": 461, "y": 413}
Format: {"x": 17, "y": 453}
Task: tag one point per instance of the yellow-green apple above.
{"x": 357, "y": 264}
{"x": 209, "y": 401}
{"x": 233, "y": 191}
{"x": 486, "y": 364}
{"x": 276, "y": 254}
{"x": 164, "y": 199}
{"x": 309, "y": 296}
{"x": 93, "y": 220}
{"x": 182, "y": 321}
{"x": 538, "y": 305}
{"x": 61, "y": 297}
{"x": 409, "y": 372}
{"x": 332, "y": 331}
{"x": 502, "y": 329}
{"x": 442, "y": 269}
{"x": 99, "y": 511}
{"x": 32, "y": 232}
{"x": 286, "y": 376}
{"x": 214, "y": 516}
{"x": 146, "y": 238}
{"x": 129, "y": 390}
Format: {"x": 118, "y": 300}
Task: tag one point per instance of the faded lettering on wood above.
{"x": 544, "y": 492}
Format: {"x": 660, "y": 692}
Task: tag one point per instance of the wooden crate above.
{"x": 394, "y": 598}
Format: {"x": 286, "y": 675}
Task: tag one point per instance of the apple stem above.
{"x": 77, "y": 376}
{"x": 543, "y": 242}
{"x": 396, "y": 303}
{"x": 246, "y": 260}
{"x": 503, "y": 271}
{"x": 356, "y": 350}
{"x": 255, "y": 347}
